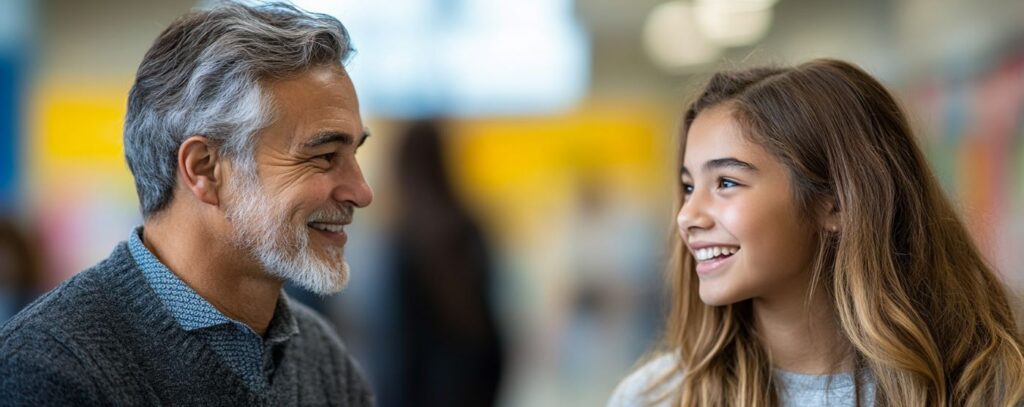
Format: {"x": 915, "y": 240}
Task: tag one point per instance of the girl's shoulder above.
{"x": 632, "y": 391}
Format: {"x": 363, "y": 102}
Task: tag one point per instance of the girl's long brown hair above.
{"x": 919, "y": 307}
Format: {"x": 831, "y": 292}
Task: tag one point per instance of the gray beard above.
{"x": 263, "y": 228}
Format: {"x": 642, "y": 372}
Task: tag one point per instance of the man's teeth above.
{"x": 328, "y": 227}
{"x": 709, "y": 253}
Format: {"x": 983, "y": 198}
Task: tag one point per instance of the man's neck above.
{"x": 801, "y": 336}
{"x": 220, "y": 273}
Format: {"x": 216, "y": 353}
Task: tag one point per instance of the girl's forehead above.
{"x": 716, "y": 134}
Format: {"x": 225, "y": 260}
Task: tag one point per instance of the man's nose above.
{"x": 353, "y": 187}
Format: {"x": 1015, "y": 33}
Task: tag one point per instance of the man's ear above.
{"x": 199, "y": 168}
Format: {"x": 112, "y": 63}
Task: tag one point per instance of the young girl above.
{"x": 818, "y": 262}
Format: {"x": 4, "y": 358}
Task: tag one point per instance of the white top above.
{"x": 795, "y": 389}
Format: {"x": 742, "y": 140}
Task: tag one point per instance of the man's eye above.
{"x": 329, "y": 157}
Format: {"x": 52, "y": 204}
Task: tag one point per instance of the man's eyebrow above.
{"x": 720, "y": 163}
{"x": 332, "y": 136}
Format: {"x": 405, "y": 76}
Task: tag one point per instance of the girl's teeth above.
{"x": 709, "y": 253}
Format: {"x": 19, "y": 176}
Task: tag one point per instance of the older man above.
{"x": 241, "y": 133}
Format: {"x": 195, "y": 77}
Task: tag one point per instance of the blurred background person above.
{"x": 19, "y": 269}
{"x": 450, "y": 350}
{"x": 613, "y": 304}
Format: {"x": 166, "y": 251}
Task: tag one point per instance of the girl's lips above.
{"x": 706, "y": 268}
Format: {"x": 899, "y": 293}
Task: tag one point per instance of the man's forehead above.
{"x": 314, "y": 108}
{"x": 321, "y": 80}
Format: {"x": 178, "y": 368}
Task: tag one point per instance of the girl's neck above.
{"x": 801, "y": 336}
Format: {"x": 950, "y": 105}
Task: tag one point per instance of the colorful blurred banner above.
{"x": 84, "y": 194}
{"x": 973, "y": 132}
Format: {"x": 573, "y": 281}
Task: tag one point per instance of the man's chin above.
{"x": 321, "y": 279}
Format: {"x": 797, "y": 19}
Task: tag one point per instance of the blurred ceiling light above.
{"x": 463, "y": 58}
{"x": 672, "y": 39}
{"x": 734, "y": 23}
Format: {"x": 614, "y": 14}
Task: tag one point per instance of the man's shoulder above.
{"x": 79, "y": 319}
{"x": 84, "y": 297}
{"x": 61, "y": 307}
{"x": 635, "y": 389}
{"x": 44, "y": 355}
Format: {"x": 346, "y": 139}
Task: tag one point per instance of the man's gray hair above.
{"x": 202, "y": 76}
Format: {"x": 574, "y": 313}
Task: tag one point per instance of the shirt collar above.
{"x": 283, "y": 326}
{"x": 190, "y": 309}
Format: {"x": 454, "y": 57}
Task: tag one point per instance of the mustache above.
{"x": 332, "y": 214}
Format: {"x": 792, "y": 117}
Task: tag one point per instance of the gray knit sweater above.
{"x": 104, "y": 338}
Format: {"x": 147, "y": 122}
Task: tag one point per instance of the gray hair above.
{"x": 202, "y": 76}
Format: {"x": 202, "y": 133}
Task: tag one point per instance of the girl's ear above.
{"x": 828, "y": 215}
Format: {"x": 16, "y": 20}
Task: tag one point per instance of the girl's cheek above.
{"x": 734, "y": 218}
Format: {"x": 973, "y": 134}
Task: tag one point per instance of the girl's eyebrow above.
{"x": 719, "y": 163}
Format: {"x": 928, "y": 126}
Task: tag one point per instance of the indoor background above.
{"x": 555, "y": 123}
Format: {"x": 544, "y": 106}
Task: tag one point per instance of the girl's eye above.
{"x": 687, "y": 188}
{"x": 727, "y": 183}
